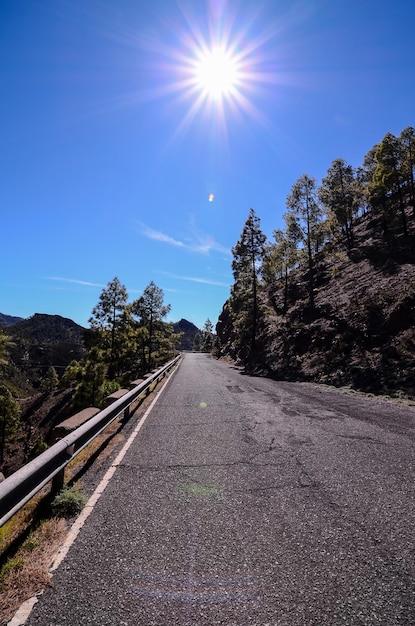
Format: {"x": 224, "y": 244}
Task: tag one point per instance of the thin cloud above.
{"x": 195, "y": 279}
{"x": 201, "y": 243}
{"x": 157, "y": 235}
{"x": 180, "y": 291}
{"x": 208, "y": 244}
{"x": 204, "y": 242}
{"x": 74, "y": 281}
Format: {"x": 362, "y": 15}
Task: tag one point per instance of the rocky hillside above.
{"x": 189, "y": 331}
{"x": 42, "y": 341}
{"x": 40, "y": 413}
{"x": 361, "y": 331}
{"x": 49, "y": 329}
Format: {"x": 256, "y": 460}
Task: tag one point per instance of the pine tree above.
{"x": 9, "y": 418}
{"x": 107, "y": 322}
{"x": 197, "y": 342}
{"x": 207, "y": 340}
{"x": 151, "y": 311}
{"x": 407, "y": 140}
{"x": 280, "y": 259}
{"x": 340, "y": 194}
{"x": 388, "y": 180}
{"x": 50, "y": 380}
{"x": 304, "y": 221}
{"x": 93, "y": 385}
{"x": 248, "y": 254}
{"x": 72, "y": 375}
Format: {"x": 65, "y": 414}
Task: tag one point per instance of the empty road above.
{"x": 246, "y": 501}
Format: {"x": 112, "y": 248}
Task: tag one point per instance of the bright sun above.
{"x": 214, "y": 76}
{"x": 216, "y": 73}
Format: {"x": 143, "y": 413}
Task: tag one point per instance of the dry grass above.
{"x": 26, "y": 574}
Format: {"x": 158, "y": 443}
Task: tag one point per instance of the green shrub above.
{"x": 31, "y": 544}
{"x": 68, "y": 502}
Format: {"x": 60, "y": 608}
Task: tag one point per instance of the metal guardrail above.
{"x": 20, "y": 487}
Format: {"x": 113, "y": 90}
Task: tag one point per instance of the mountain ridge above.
{"x": 45, "y": 340}
{"x": 9, "y": 320}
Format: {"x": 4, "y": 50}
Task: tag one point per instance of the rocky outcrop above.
{"x": 189, "y": 331}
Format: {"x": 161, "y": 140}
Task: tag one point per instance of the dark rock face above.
{"x": 361, "y": 331}
{"x": 189, "y": 331}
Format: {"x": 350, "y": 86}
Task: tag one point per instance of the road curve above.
{"x": 245, "y": 501}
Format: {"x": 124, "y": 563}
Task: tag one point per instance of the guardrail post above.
{"x": 58, "y": 482}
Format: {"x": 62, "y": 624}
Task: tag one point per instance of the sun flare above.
{"x": 216, "y": 73}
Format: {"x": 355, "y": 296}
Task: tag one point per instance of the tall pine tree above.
{"x": 151, "y": 311}
{"x": 107, "y": 323}
{"x": 248, "y": 254}
{"x": 280, "y": 258}
{"x": 341, "y": 196}
{"x": 388, "y": 177}
{"x": 304, "y": 219}
{"x": 407, "y": 141}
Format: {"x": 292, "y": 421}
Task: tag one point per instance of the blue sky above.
{"x": 112, "y": 138}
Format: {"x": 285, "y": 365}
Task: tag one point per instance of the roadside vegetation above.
{"x": 125, "y": 340}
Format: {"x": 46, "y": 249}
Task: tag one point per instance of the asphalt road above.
{"x": 245, "y": 501}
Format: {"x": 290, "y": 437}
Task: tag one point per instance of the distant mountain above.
{"x": 48, "y": 329}
{"x": 44, "y": 340}
{"x": 189, "y": 331}
{"x": 9, "y": 320}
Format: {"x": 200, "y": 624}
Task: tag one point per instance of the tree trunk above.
{"x": 401, "y": 202}
{"x": 254, "y": 288}
{"x": 310, "y": 262}
{"x": 286, "y": 290}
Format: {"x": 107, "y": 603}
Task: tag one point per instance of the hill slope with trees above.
{"x": 332, "y": 298}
